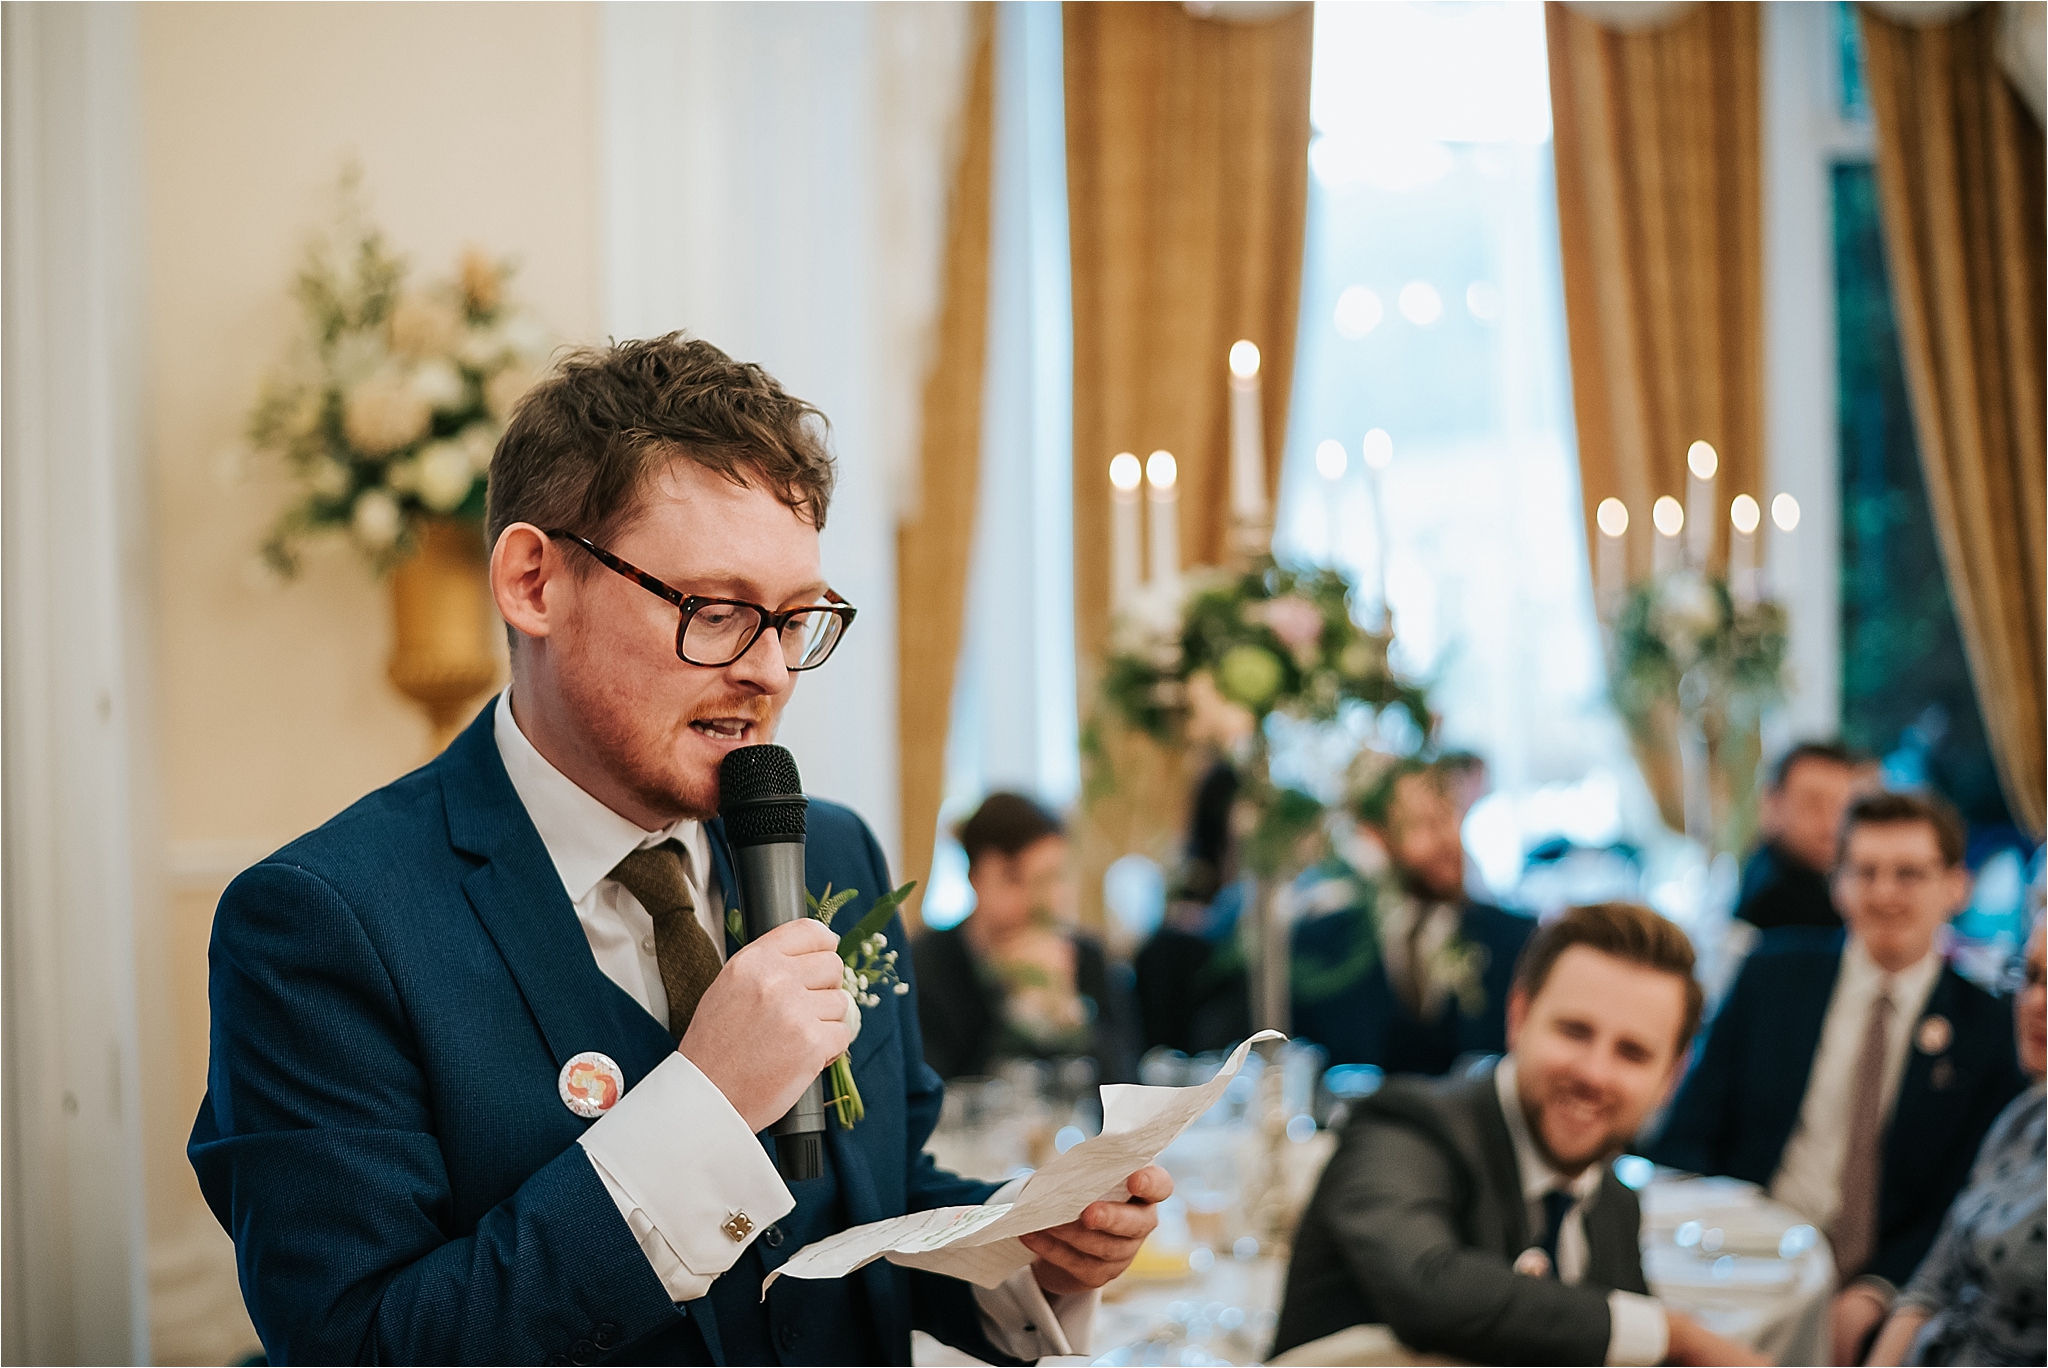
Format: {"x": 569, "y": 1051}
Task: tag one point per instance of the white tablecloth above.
{"x": 1740, "y": 1264}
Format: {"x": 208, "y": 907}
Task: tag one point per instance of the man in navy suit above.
{"x": 1406, "y": 972}
{"x": 488, "y": 1070}
{"x": 1854, "y": 1073}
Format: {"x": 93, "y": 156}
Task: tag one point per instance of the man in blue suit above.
{"x": 1854, "y": 1073}
{"x": 488, "y": 1068}
{"x": 1405, "y": 972}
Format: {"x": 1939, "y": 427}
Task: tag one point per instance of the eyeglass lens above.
{"x": 718, "y": 633}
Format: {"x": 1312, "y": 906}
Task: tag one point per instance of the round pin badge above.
{"x": 590, "y": 1084}
{"x": 1935, "y": 1035}
{"x": 1533, "y": 1263}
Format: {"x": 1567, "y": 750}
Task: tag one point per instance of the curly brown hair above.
{"x": 583, "y": 443}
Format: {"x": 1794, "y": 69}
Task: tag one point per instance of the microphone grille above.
{"x": 752, "y": 773}
{"x": 760, "y": 796}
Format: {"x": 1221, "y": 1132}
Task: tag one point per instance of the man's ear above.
{"x": 1518, "y": 1012}
{"x": 522, "y": 563}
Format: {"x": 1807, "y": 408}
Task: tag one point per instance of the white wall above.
{"x": 774, "y": 182}
{"x": 1803, "y": 135}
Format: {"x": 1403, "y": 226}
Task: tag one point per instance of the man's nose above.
{"x": 763, "y": 664}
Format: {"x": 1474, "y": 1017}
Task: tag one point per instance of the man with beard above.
{"x": 490, "y": 1070}
{"x": 1407, "y": 973}
{"x": 1478, "y": 1217}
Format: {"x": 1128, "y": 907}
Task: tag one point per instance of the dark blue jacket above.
{"x": 1741, "y": 1100}
{"x": 1365, "y": 1022}
{"x": 393, "y": 996}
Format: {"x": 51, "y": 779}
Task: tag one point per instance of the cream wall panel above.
{"x": 473, "y": 123}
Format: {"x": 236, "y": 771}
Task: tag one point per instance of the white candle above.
{"x": 1743, "y": 516}
{"x": 1669, "y": 520}
{"x": 1378, "y": 452}
{"x": 1247, "y": 439}
{"x": 1124, "y": 534}
{"x": 1704, "y": 462}
{"x": 1785, "y": 551}
{"x": 1612, "y": 558}
{"x": 1162, "y": 472}
{"x": 1331, "y": 462}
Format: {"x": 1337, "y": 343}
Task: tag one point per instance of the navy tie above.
{"x": 1556, "y": 1205}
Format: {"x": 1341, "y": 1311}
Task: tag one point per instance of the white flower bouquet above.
{"x": 391, "y": 400}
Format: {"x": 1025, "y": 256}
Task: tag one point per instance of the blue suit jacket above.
{"x": 1365, "y": 1022}
{"x": 1741, "y": 1100}
{"x": 393, "y": 996}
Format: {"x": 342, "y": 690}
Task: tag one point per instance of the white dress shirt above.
{"x": 1809, "y": 1176}
{"x": 1638, "y": 1331}
{"x": 1397, "y": 927}
{"x": 679, "y": 1213}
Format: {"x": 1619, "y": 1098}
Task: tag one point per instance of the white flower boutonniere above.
{"x": 869, "y": 966}
{"x": 1458, "y": 967}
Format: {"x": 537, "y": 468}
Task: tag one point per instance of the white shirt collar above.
{"x": 1862, "y": 976}
{"x": 1538, "y": 1177}
{"x": 585, "y": 839}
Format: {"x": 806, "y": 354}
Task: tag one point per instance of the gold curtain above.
{"x": 1960, "y": 180}
{"x": 1187, "y": 187}
{"x": 1660, "y": 222}
{"x": 934, "y": 543}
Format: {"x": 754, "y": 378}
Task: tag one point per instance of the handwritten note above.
{"x": 979, "y": 1243}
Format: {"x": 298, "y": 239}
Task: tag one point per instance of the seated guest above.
{"x": 1785, "y": 882}
{"x": 1854, "y": 1072}
{"x": 1409, "y": 973}
{"x": 1015, "y": 980}
{"x": 1467, "y": 779}
{"x": 1977, "y": 1297}
{"x": 1193, "y": 992}
{"x": 1479, "y": 1217}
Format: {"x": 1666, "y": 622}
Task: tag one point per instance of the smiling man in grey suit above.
{"x": 1478, "y": 1217}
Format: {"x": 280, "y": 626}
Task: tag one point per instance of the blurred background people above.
{"x": 1404, "y": 970}
{"x": 1785, "y": 882}
{"x": 1467, "y": 779}
{"x": 1479, "y": 1217}
{"x": 1192, "y": 990}
{"x": 1855, "y": 1073}
{"x": 1977, "y": 1297}
{"x": 1015, "y": 980}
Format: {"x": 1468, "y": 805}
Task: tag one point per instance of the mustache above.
{"x": 747, "y": 707}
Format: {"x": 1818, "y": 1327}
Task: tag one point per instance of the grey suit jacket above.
{"x": 1416, "y": 1225}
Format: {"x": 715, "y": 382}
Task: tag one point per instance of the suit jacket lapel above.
{"x": 1911, "y": 1150}
{"x": 1797, "y": 1033}
{"x": 518, "y": 896}
{"x": 1503, "y": 1174}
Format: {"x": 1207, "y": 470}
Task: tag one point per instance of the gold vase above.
{"x": 441, "y": 625}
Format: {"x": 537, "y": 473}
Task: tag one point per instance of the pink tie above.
{"x": 1855, "y": 1229}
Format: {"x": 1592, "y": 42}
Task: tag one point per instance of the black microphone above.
{"x": 762, "y": 802}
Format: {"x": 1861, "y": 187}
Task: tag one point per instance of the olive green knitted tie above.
{"x": 658, "y": 877}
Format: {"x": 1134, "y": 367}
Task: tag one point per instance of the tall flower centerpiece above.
{"x": 1205, "y": 665}
{"x": 1694, "y": 665}
{"x": 385, "y": 410}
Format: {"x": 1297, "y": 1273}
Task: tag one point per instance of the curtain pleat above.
{"x": 1960, "y": 180}
{"x": 935, "y": 541}
{"x": 1660, "y": 223}
{"x": 1187, "y": 188}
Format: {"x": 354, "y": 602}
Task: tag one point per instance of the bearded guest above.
{"x": 1400, "y": 968}
{"x": 1479, "y": 1217}
{"x": 1855, "y": 1073}
{"x": 490, "y": 1073}
{"x": 1015, "y": 980}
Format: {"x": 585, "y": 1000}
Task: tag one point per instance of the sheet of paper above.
{"x": 979, "y": 1244}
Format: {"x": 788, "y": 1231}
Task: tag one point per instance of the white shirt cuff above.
{"x": 1022, "y": 1321}
{"x": 1639, "y": 1333}
{"x": 691, "y": 1219}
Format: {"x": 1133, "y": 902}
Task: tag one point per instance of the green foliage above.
{"x": 1683, "y": 625}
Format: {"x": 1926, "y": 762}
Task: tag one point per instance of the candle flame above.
{"x": 1244, "y": 359}
{"x": 1378, "y": 449}
{"x": 1612, "y": 515}
{"x": 1745, "y": 514}
{"x": 1702, "y": 460}
{"x": 1161, "y": 470}
{"x": 1669, "y": 516}
{"x": 1124, "y": 472}
{"x": 1331, "y": 458}
{"x": 1785, "y": 512}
